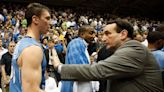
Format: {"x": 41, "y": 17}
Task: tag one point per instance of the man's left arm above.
{"x": 122, "y": 64}
{"x": 5, "y": 80}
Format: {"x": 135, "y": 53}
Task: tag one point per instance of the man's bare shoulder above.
{"x": 32, "y": 50}
{"x": 31, "y": 54}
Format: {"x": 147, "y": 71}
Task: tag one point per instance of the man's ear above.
{"x": 82, "y": 34}
{"x": 35, "y": 19}
{"x": 159, "y": 44}
{"x": 124, "y": 34}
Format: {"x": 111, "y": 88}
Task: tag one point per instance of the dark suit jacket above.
{"x": 57, "y": 75}
{"x": 132, "y": 68}
{"x": 46, "y": 52}
{"x": 104, "y": 53}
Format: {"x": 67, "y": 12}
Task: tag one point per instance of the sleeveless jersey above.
{"x": 15, "y": 82}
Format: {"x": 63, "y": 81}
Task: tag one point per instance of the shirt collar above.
{"x": 86, "y": 44}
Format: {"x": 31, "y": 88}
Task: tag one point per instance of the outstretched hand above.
{"x": 56, "y": 62}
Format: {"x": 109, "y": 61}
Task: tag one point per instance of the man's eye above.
{"x": 106, "y": 32}
{"x": 92, "y": 32}
{"x": 48, "y": 18}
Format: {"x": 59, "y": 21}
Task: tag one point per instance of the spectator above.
{"x": 2, "y": 51}
{"x": 51, "y": 85}
{"x": 6, "y": 67}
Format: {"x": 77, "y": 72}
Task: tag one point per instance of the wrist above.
{"x": 58, "y": 67}
{"x": 4, "y": 79}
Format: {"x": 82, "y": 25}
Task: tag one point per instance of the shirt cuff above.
{"x": 59, "y": 68}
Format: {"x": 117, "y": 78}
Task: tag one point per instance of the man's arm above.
{"x": 122, "y": 64}
{"x": 31, "y": 59}
{"x": 4, "y": 76}
{"x": 55, "y": 58}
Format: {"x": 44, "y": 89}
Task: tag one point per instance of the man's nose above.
{"x": 93, "y": 35}
{"x": 103, "y": 38}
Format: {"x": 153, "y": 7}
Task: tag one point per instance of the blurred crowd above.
{"x": 64, "y": 22}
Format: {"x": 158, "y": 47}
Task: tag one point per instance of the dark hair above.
{"x": 121, "y": 25}
{"x": 44, "y": 39}
{"x": 160, "y": 28}
{"x": 136, "y": 32}
{"x": 10, "y": 43}
{"x": 154, "y": 36}
{"x": 34, "y": 9}
{"x": 51, "y": 40}
{"x": 83, "y": 29}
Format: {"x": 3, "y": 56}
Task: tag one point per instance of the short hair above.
{"x": 136, "y": 32}
{"x": 154, "y": 36}
{"x": 121, "y": 25}
{"x": 44, "y": 39}
{"x": 160, "y": 28}
{"x": 84, "y": 29}
{"x": 10, "y": 43}
{"x": 34, "y": 9}
{"x": 51, "y": 40}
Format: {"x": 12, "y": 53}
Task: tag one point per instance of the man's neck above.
{"x": 151, "y": 47}
{"x": 1, "y": 48}
{"x": 50, "y": 48}
{"x": 10, "y": 53}
{"x": 34, "y": 33}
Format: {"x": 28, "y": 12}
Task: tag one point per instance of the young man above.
{"x": 29, "y": 62}
{"x": 132, "y": 67}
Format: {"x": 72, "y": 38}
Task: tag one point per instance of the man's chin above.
{"x": 88, "y": 41}
{"x": 111, "y": 47}
{"x": 45, "y": 32}
{"x": 108, "y": 46}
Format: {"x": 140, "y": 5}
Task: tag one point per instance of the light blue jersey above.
{"x": 15, "y": 83}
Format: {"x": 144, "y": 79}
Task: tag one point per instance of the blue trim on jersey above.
{"x": 15, "y": 83}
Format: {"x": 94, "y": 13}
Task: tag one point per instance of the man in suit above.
{"x": 49, "y": 59}
{"x": 132, "y": 67}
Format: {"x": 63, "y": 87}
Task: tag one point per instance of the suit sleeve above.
{"x": 123, "y": 63}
